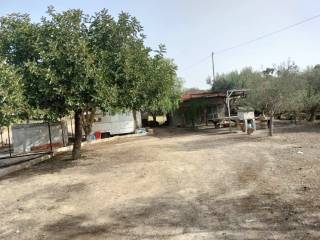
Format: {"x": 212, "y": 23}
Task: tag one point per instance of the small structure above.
{"x": 115, "y": 124}
{"x": 36, "y": 137}
{"x": 201, "y": 107}
{"x": 248, "y": 119}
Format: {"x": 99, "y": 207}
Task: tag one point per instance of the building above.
{"x": 200, "y": 107}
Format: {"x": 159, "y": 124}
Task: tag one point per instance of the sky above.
{"x": 192, "y": 29}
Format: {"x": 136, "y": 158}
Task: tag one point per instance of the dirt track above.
{"x": 174, "y": 185}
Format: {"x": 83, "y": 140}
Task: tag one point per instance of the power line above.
{"x": 268, "y": 34}
{"x": 255, "y": 39}
{"x": 198, "y": 62}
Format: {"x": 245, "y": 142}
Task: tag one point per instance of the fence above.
{"x": 28, "y": 141}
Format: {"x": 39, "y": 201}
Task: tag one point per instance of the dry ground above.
{"x": 174, "y": 185}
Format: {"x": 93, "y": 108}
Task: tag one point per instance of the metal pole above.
{"x": 50, "y": 137}
{"x": 229, "y": 114}
{"x": 9, "y": 141}
{"x": 1, "y": 136}
{"x": 212, "y": 56}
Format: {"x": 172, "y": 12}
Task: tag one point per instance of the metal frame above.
{"x": 11, "y": 155}
{"x": 228, "y": 98}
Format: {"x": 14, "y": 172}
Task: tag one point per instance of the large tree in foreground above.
{"x": 122, "y": 58}
{"x": 71, "y": 63}
{"x": 66, "y": 77}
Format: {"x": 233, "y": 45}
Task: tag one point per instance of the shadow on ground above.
{"x": 54, "y": 165}
{"x": 255, "y": 216}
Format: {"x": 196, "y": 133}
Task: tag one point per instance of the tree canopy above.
{"x": 11, "y": 98}
{"x": 73, "y": 63}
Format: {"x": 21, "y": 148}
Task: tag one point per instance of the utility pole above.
{"x": 212, "y": 56}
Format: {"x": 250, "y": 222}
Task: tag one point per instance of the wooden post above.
{"x": 1, "y": 136}
{"x": 62, "y": 132}
{"x": 76, "y": 152}
{"x": 9, "y": 141}
{"x": 50, "y": 139}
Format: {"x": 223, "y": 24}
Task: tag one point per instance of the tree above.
{"x": 164, "y": 88}
{"x": 233, "y": 80}
{"x": 67, "y": 80}
{"x": 75, "y": 64}
{"x": 18, "y": 46}
{"x": 311, "y": 79}
{"x": 11, "y": 97}
{"x": 274, "y": 93}
{"x": 276, "y": 90}
{"x": 122, "y": 58}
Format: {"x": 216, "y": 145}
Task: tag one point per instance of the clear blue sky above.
{"x": 191, "y": 29}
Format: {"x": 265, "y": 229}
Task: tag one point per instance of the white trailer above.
{"x": 115, "y": 124}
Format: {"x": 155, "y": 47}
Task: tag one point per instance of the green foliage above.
{"x": 72, "y": 63}
{"x": 11, "y": 98}
{"x": 273, "y": 93}
{"x": 234, "y": 80}
{"x": 65, "y": 78}
{"x": 311, "y": 82}
{"x": 282, "y": 89}
{"x": 18, "y": 46}
{"x": 193, "y": 109}
{"x": 163, "y": 88}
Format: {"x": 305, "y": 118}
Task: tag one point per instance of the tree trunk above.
{"x": 135, "y": 120}
{"x": 169, "y": 119}
{"x": 206, "y": 116}
{"x": 87, "y": 119}
{"x": 312, "y": 115}
{"x": 154, "y": 118}
{"x": 76, "y": 152}
{"x": 271, "y": 126}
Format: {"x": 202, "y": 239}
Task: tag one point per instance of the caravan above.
{"x": 115, "y": 124}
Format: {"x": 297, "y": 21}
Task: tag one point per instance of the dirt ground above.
{"x": 174, "y": 185}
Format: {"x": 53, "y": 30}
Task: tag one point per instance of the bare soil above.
{"x": 174, "y": 185}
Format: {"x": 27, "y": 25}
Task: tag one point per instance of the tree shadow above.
{"x": 303, "y": 128}
{"x": 162, "y": 217}
{"x": 56, "y": 164}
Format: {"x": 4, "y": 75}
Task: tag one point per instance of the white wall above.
{"x": 119, "y": 123}
{"x": 25, "y": 136}
{"x": 245, "y": 115}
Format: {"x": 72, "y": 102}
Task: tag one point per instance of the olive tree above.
{"x": 275, "y": 92}
{"x": 311, "y": 82}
